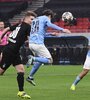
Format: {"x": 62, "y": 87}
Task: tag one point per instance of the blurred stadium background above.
{"x": 66, "y": 49}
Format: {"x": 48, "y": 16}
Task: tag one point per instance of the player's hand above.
{"x": 66, "y": 31}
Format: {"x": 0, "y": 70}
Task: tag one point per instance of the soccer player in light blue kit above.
{"x": 85, "y": 70}
{"x": 36, "y": 42}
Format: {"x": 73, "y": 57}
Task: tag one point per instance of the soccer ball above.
{"x": 67, "y": 16}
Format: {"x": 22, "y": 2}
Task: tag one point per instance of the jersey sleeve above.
{"x": 49, "y": 24}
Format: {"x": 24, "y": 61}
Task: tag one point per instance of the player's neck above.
{"x": 26, "y": 21}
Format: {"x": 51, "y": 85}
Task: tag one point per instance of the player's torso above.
{"x": 18, "y": 36}
{"x": 38, "y": 30}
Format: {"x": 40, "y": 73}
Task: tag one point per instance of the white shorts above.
{"x": 40, "y": 50}
{"x": 87, "y": 63}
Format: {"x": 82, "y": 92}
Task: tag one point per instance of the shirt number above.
{"x": 35, "y": 26}
{"x": 14, "y": 33}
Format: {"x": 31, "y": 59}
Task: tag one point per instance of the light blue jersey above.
{"x": 39, "y": 28}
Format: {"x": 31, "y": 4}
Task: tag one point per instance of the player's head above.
{"x": 29, "y": 16}
{"x": 49, "y": 13}
{"x": 2, "y": 25}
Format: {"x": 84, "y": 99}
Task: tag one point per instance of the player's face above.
{"x": 1, "y": 25}
{"x": 49, "y": 17}
{"x": 31, "y": 19}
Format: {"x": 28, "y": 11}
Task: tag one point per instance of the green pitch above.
{"x": 52, "y": 83}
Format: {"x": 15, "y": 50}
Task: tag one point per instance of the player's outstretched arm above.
{"x": 49, "y": 24}
{"x": 58, "y": 34}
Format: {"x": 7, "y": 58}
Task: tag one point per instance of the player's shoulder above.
{"x": 24, "y": 25}
{"x": 43, "y": 17}
{"x": 13, "y": 27}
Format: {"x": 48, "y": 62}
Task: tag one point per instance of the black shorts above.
{"x": 9, "y": 57}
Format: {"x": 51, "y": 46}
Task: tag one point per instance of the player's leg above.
{"x": 20, "y": 77}
{"x": 42, "y": 56}
{"x": 20, "y": 81}
{"x": 4, "y": 63}
{"x": 86, "y": 69}
{"x": 78, "y": 78}
{"x": 34, "y": 69}
{"x": 37, "y": 59}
